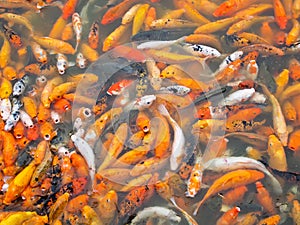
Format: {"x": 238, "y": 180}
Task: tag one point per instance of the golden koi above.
{"x": 215, "y": 26}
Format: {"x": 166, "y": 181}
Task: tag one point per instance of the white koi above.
{"x": 81, "y": 61}
{"x": 156, "y": 212}
{"x": 258, "y": 98}
{"x": 225, "y": 164}
{"x": 26, "y": 119}
{"x": 20, "y": 86}
{"x": 175, "y": 89}
{"x": 177, "y": 152}
{"x": 55, "y": 116}
{"x": 201, "y": 50}
{"x": 159, "y": 44}
{"x": 87, "y": 152}
{"x": 237, "y": 97}
{"x": 229, "y": 59}
{"x": 144, "y": 102}
{"x": 5, "y": 108}
{"x": 77, "y": 27}
{"x": 39, "y": 53}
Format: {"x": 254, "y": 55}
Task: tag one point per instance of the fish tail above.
{"x": 199, "y": 204}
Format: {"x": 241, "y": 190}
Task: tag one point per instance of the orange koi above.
{"x": 192, "y": 13}
{"x": 215, "y": 26}
{"x": 295, "y": 212}
{"x": 294, "y": 68}
{"x": 40, "y": 152}
{"x": 43, "y": 113}
{"x": 93, "y": 37}
{"x": 18, "y": 184}
{"x": 18, "y": 130}
{"x": 280, "y": 14}
{"x": 89, "y": 53}
{"x": 76, "y": 204}
{"x": 14, "y": 39}
{"x": 9, "y": 72}
{"x": 267, "y": 32}
{"x": 58, "y": 28}
{"x": 234, "y": 195}
{"x": 230, "y": 180}
{"x": 67, "y": 170}
{"x": 293, "y": 33}
{"x": 62, "y": 89}
{"x": 62, "y": 105}
{"x": 171, "y": 23}
{"x": 293, "y": 143}
{"x": 67, "y": 33}
{"x": 264, "y": 198}
{"x": 90, "y": 215}
{"x": 289, "y": 111}
{"x": 246, "y": 114}
{"x": 58, "y": 207}
{"x": 9, "y": 150}
{"x": 32, "y": 133}
{"x": 5, "y": 52}
{"x": 80, "y": 165}
{"x": 279, "y": 37}
{"x": 47, "y": 131}
{"x": 229, "y": 217}
{"x": 296, "y": 9}
{"x": 229, "y": 7}
{"x": 69, "y": 9}
{"x": 108, "y": 206}
{"x": 117, "y": 11}
{"x": 79, "y": 185}
{"x": 281, "y": 80}
{"x": 272, "y": 220}
{"x": 263, "y": 49}
{"x": 143, "y": 121}
{"x": 129, "y": 53}
{"x": 254, "y": 9}
{"x": 113, "y": 38}
{"x": 150, "y": 17}
{"x": 277, "y": 154}
{"x": 54, "y": 44}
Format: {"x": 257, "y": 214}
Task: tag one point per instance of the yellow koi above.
{"x": 139, "y": 18}
{"x": 294, "y": 33}
{"x": 5, "y": 52}
{"x": 171, "y": 23}
{"x": 58, "y": 28}
{"x": 215, "y": 26}
{"x": 88, "y": 52}
{"x": 281, "y": 80}
{"x": 277, "y": 154}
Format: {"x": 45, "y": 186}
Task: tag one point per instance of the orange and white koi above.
{"x": 264, "y": 198}
{"x": 93, "y": 37}
{"x": 280, "y": 14}
{"x": 62, "y": 63}
{"x": 158, "y": 212}
{"x": 294, "y": 33}
{"x": 81, "y": 61}
{"x": 252, "y": 70}
{"x": 177, "y": 152}
{"x": 233, "y": 163}
{"x": 26, "y": 119}
{"x": 230, "y": 180}
{"x": 230, "y": 58}
{"x": 118, "y": 87}
{"x": 39, "y": 53}
{"x": 5, "y": 108}
{"x": 77, "y": 27}
{"x": 54, "y": 44}
{"x": 195, "y": 179}
{"x": 87, "y": 152}
{"x": 229, "y": 7}
{"x": 229, "y": 217}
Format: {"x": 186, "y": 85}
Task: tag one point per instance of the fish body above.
{"x": 20, "y": 85}
{"x": 81, "y": 61}
{"x": 5, "y": 108}
{"x": 201, "y": 50}
{"x": 158, "y": 44}
{"x": 175, "y": 89}
{"x": 93, "y": 37}
{"x": 118, "y": 87}
{"x": 77, "y": 27}
{"x": 177, "y": 153}
{"x": 238, "y": 97}
{"x": 54, "y": 44}
{"x": 229, "y": 59}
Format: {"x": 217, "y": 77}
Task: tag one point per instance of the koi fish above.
{"x": 129, "y": 15}
{"x": 158, "y": 212}
{"x": 230, "y": 180}
{"x": 232, "y": 163}
{"x": 264, "y": 198}
{"x": 158, "y": 44}
{"x": 26, "y": 119}
{"x": 175, "y": 89}
{"x": 62, "y": 63}
{"x": 93, "y": 37}
{"x": 201, "y": 50}
{"x": 144, "y": 102}
{"x": 293, "y": 144}
{"x": 195, "y": 178}
{"x": 77, "y": 26}
{"x": 5, "y": 108}
{"x": 67, "y": 33}
{"x": 14, "y": 39}
{"x": 54, "y": 44}
{"x": 20, "y": 85}
{"x": 69, "y": 9}
{"x": 229, "y": 217}
{"x": 90, "y": 215}
{"x": 230, "y": 58}
{"x": 229, "y": 7}
{"x": 139, "y": 18}
{"x": 280, "y": 14}
{"x": 118, "y": 87}
{"x": 272, "y": 220}
{"x": 234, "y": 195}
{"x": 177, "y": 153}
{"x": 87, "y": 152}
{"x": 81, "y": 61}
{"x": 108, "y": 206}
{"x": 237, "y": 97}
{"x": 171, "y": 24}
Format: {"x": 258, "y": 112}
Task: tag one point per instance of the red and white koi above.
{"x": 179, "y": 90}
{"x": 87, "y": 152}
{"x": 229, "y": 59}
{"x": 77, "y": 26}
{"x": 157, "y": 212}
{"x": 195, "y": 179}
{"x": 225, "y": 164}
{"x": 238, "y": 97}
{"x": 252, "y": 70}
{"x": 177, "y": 152}
{"x": 159, "y": 44}
{"x": 118, "y": 87}
{"x": 81, "y": 61}
{"x": 5, "y": 108}
{"x": 201, "y": 50}
{"x": 26, "y": 119}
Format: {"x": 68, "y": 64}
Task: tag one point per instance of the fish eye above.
{"x": 148, "y": 103}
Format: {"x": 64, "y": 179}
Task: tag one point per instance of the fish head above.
{"x": 145, "y": 101}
